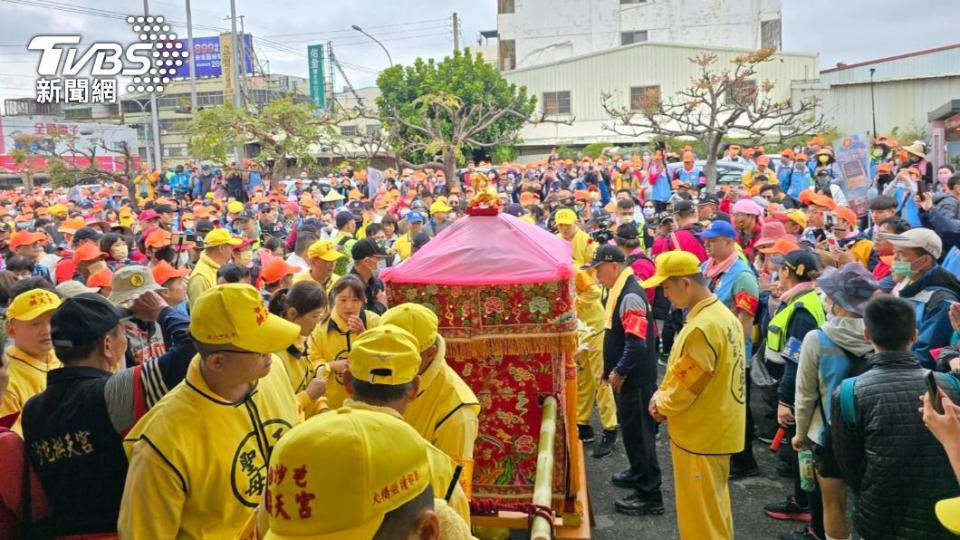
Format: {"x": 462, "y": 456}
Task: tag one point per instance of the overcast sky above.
{"x": 840, "y": 30}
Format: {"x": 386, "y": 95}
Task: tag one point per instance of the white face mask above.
{"x": 120, "y": 252}
{"x": 649, "y": 212}
{"x": 183, "y": 259}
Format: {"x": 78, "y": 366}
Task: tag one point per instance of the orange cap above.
{"x": 100, "y": 278}
{"x": 781, "y": 247}
{"x": 885, "y": 167}
{"x": 164, "y": 272}
{"x": 787, "y": 153}
{"x": 25, "y": 238}
{"x": 159, "y": 238}
{"x": 88, "y": 252}
{"x": 846, "y": 214}
{"x": 276, "y": 269}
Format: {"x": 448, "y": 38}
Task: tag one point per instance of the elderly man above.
{"x": 927, "y": 285}
{"x": 583, "y": 246}
{"x": 322, "y": 257}
{"x": 630, "y": 366}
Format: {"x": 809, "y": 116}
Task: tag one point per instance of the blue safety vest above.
{"x": 724, "y": 292}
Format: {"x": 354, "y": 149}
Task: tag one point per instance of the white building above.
{"x": 573, "y": 89}
{"x": 534, "y": 32}
{"x": 899, "y": 90}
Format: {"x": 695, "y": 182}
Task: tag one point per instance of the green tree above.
{"x": 450, "y": 108}
{"x": 720, "y": 103}
{"x": 284, "y": 128}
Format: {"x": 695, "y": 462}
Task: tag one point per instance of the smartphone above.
{"x": 920, "y": 187}
{"x": 933, "y": 393}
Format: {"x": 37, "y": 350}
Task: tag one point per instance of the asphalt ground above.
{"x": 748, "y": 496}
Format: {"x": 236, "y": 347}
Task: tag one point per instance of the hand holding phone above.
{"x": 933, "y": 392}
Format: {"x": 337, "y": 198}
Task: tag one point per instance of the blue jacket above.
{"x": 931, "y": 296}
{"x": 180, "y": 183}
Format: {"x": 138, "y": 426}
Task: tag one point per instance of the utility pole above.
{"x": 236, "y": 68}
{"x": 456, "y": 32}
{"x": 193, "y": 66}
{"x": 873, "y": 103}
{"x": 155, "y": 113}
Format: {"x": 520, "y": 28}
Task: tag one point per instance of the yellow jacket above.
{"x": 300, "y": 372}
{"x": 305, "y": 276}
{"x": 703, "y": 394}
{"x": 441, "y": 465}
{"x": 403, "y": 246}
{"x": 583, "y": 248}
{"x": 198, "y": 462}
{"x": 28, "y": 377}
{"x": 202, "y": 279}
{"x": 330, "y": 341}
{"x": 445, "y": 410}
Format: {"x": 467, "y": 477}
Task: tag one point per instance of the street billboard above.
{"x": 315, "y": 59}
{"x": 207, "y": 58}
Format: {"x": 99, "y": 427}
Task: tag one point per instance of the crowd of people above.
{"x": 214, "y": 355}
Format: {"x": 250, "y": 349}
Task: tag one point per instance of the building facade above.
{"x": 534, "y": 32}
{"x": 894, "y": 92}
{"x": 572, "y": 90}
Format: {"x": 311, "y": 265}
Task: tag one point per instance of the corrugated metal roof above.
{"x": 929, "y": 63}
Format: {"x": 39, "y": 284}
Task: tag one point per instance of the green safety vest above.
{"x": 810, "y": 301}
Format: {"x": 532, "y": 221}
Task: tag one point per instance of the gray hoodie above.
{"x": 845, "y": 332}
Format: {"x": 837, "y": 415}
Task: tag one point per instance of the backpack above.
{"x": 848, "y": 405}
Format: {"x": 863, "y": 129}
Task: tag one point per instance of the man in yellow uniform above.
{"x": 198, "y": 458}
{"x": 322, "y": 256}
{"x": 702, "y": 396}
{"x": 328, "y": 479}
{"x": 30, "y": 356}
{"x": 590, "y": 391}
{"x": 383, "y": 377}
{"x": 404, "y": 244}
{"x": 445, "y": 410}
{"x": 218, "y": 247}
{"x": 583, "y": 246}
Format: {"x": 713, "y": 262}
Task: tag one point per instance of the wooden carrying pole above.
{"x": 542, "y": 528}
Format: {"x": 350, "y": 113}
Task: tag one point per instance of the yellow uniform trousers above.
{"x": 590, "y": 391}
{"x": 703, "y": 498}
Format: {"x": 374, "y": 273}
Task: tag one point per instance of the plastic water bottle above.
{"x": 807, "y": 481}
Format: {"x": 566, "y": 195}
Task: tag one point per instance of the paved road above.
{"x": 748, "y": 496}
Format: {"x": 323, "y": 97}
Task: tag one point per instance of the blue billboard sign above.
{"x": 206, "y": 56}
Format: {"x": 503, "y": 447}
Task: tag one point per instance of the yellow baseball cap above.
{"x": 235, "y": 207}
{"x": 948, "y": 512}
{"x": 673, "y": 264}
{"x": 219, "y": 237}
{"x": 386, "y": 354}
{"x": 324, "y": 249}
{"x": 565, "y": 216}
{"x": 29, "y": 305}
{"x": 334, "y": 464}
{"x": 416, "y": 319}
{"x": 234, "y": 313}
{"x": 440, "y": 205}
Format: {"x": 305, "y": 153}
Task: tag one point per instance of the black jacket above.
{"x": 895, "y": 466}
{"x": 632, "y": 356}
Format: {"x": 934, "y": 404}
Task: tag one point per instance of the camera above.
{"x": 601, "y": 233}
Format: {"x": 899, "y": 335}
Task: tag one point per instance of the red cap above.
{"x": 277, "y": 269}
{"x": 148, "y": 215}
{"x": 164, "y": 272}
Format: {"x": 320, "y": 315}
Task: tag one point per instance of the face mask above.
{"x": 649, "y": 212}
{"x": 903, "y": 269}
{"x": 120, "y": 252}
{"x": 799, "y": 167}
{"x": 824, "y": 159}
{"x": 183, "y": 259}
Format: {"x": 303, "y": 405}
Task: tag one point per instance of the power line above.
{"x": 351, "y": 31}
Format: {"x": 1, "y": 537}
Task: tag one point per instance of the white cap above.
{"x": 920, "y": 238}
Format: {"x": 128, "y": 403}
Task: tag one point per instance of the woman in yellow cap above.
{"x": 304, "y": 304}
{"x": 331, "y": 341}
